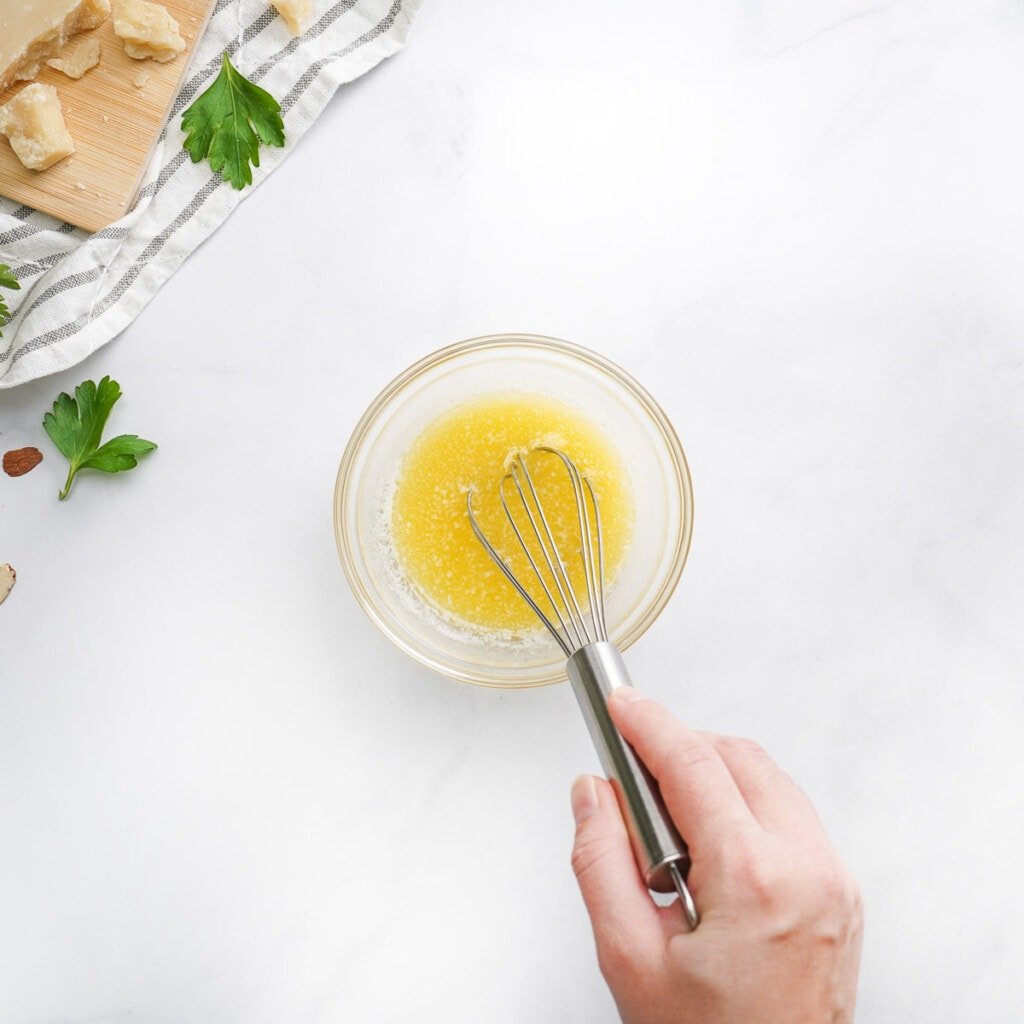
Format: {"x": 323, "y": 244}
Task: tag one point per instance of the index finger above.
{"x": 700, "y": 793}
{"x": 774, "y": 799}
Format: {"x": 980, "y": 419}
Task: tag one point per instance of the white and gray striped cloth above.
{"x": 78, "y": 291}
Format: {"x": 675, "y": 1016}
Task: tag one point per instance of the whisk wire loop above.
{"x": 592, "y": 556}
{"x": 511, "y": 577}
{"x": 575, "y": 619}
{"x": 598, "y": 607}
{"x": 555, "y": 562}
{"x": 550, "y": 559}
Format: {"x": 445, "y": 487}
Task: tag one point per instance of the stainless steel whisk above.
{"x": 594, "y": 665}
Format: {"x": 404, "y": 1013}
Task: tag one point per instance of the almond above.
{"x": 21, "y": 461}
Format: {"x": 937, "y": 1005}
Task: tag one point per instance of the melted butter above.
{"x": 470, "y": 446}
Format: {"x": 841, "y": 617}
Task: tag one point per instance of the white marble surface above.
{"x": 225, "y": 799}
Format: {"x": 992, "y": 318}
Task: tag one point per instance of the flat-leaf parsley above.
{"x": 228, "y": 122}
{"x": 76, "y": 425}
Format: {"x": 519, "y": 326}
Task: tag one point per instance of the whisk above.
{"x": 576, "y": 619}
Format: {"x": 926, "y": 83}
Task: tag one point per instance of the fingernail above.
{"x": 583, "y": 798}
{"x": 627, "y": 695}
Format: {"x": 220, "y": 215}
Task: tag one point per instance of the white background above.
{"x": 224, "y": 798}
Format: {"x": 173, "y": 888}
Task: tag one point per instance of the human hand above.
{"x": 780, "y": 932}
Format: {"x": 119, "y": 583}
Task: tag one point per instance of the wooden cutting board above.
{"x": 114, "y": 123}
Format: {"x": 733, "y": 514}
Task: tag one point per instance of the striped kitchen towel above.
{"x": 78, "y": 291}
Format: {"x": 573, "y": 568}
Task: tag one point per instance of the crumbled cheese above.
{"x": 31, "y": 33}
{"x": 34, "y": 124}
{"x": 79, "y": 57}
{"x": 296, "y": 14}
{"x": 147, "y": 30}
{"x": 140, "y": 79}
{"x": 7, "y": 578}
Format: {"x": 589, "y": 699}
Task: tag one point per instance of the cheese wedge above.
{"x": 147, "y": 30}
{"x": 296, "y": 14}
{"x": 32, "y": 31}
{"x": 34, "y": 124}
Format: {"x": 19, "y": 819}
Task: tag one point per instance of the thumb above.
{"x": 622, "y": 913}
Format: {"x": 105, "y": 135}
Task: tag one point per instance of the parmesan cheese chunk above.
{"x": 34, "y": 124}
{"x": 7, "y": 578}
{"x": 296, "y": 13}
{"x": 32, "y": 32}
{"x": 147, "y": 30}
{"x": 79, "y": 57}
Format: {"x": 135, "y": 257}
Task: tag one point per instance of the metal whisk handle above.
{"x": 594, "y": 671}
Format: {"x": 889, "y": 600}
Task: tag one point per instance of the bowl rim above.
{"x": 444, "y": 355}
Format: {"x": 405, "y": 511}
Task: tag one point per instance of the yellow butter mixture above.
{"x": 470, "y": 446}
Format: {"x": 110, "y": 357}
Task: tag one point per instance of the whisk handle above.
{"x": 661, "y": 854}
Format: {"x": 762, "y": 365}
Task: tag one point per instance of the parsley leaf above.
{"x": 227, "y": 123}
{"x": 76, "y": 425}
{"x": 7, "y": 280}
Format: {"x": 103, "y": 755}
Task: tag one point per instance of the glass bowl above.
{"x": 510, "y": 363}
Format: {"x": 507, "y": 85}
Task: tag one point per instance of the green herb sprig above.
{"x": 227, "y": 124}
{"x": 76, "y": 425}
{"x": 7, "y": 280}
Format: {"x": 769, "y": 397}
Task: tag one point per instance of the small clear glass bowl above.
{"x": 513, "y": 364}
